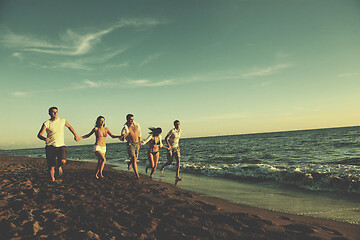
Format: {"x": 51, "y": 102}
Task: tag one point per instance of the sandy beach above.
{"x": 77, "y": 206}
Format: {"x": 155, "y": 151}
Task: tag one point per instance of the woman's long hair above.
{"x": 155, "y": 131}
{"x": 97, "y": 124}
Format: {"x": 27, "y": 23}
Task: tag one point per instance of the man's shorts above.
{"x": 174, "y": 152}
{"x": 54, "y": 155}
{"x": 133, "y": 149}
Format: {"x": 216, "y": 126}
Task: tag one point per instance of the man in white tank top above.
{"x": 172, "y": 140}
{"x": 55, "y": 146}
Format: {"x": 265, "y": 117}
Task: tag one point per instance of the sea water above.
{"x": 309, "y": 172}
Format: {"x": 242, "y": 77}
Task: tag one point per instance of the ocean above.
{"x": 308, "y": 172}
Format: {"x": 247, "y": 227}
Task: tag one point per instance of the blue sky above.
{"x": 220, "y": 67}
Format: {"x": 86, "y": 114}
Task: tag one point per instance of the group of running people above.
{"x": 131, "y": 133}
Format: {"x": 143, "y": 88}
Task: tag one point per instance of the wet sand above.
{"x": 77, "y": 206}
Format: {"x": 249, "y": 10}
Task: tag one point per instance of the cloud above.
{"x": 91, "y": 83}
{"x": 86, "y": 83}
{"x": 77, "y": 44}
{"x": 70, "y": 43}
{"x": 17, "y": 55}
{"x": 77, "y": 65}
{"x": 143, "y": 83}
{"x": 260, "y": 72}
{"x": 13, "y": 40}
{"x": 120, "y": 65}
{"x": 348, "y": 75}
{"x": 149, "y": 59}
{"x": 148, "y": 83}
{"x": 233, "y": 74}
{"x": 19, "y": 94}
{"x": 88, "y": 62}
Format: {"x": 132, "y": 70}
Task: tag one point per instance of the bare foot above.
{"x": 178, "y": 179}
{"x": 129, "y": 166}
{"x": 60, "y": 171}
{"x": 147, "y": 169}
{"x": 162, "y": 170}
{"x": 96, "y": 176}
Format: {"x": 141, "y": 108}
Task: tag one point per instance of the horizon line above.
{"x": 254, "y": 133}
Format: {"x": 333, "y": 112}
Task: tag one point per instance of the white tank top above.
{"x": 174, "y": 136}
{"x": 55, "y": 131}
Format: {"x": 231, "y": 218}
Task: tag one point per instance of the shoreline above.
{"x": 79, "y": 207}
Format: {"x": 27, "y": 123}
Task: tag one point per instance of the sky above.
{"x": 220, "y": 67}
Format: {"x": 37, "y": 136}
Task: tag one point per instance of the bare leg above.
{"x": 101, "y": 164}
{"x": 134, "y": 163}
{"x": 52, "y": 173}
{"x": 97, "y": 167}
{"x": 63, "y": 162}
{"x": 154, "y": 164}
{"x": 151, "y": 161}
{"x": 169, "y": 162}
{"x": 178, "y": 169}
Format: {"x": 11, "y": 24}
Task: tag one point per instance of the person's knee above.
{"x": 63, "y": 161}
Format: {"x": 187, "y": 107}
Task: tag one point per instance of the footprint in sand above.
{"x": 334, "y": 232}
{"x": 207, "y": 206}
{"x": 300, "y": 228}
{"x": 286, "y": 218}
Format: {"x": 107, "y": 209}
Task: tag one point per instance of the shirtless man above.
{"x": 55, "y": 147}
{"x": 131, "y": 132}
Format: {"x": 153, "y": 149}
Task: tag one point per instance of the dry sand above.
{"x": 77, "y": 206}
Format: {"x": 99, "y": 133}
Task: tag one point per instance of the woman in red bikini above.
{"x": 101, "y": 133}
{"x": 155, "y": 144}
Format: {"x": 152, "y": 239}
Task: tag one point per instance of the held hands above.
{"x": 47, "y": 140}
{"x": 122, "y": 137}
{"x": 77, "y": 138}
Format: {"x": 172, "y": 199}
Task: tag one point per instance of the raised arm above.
{"x": 76, "y": 137}
{"x": 41, "y": 132}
